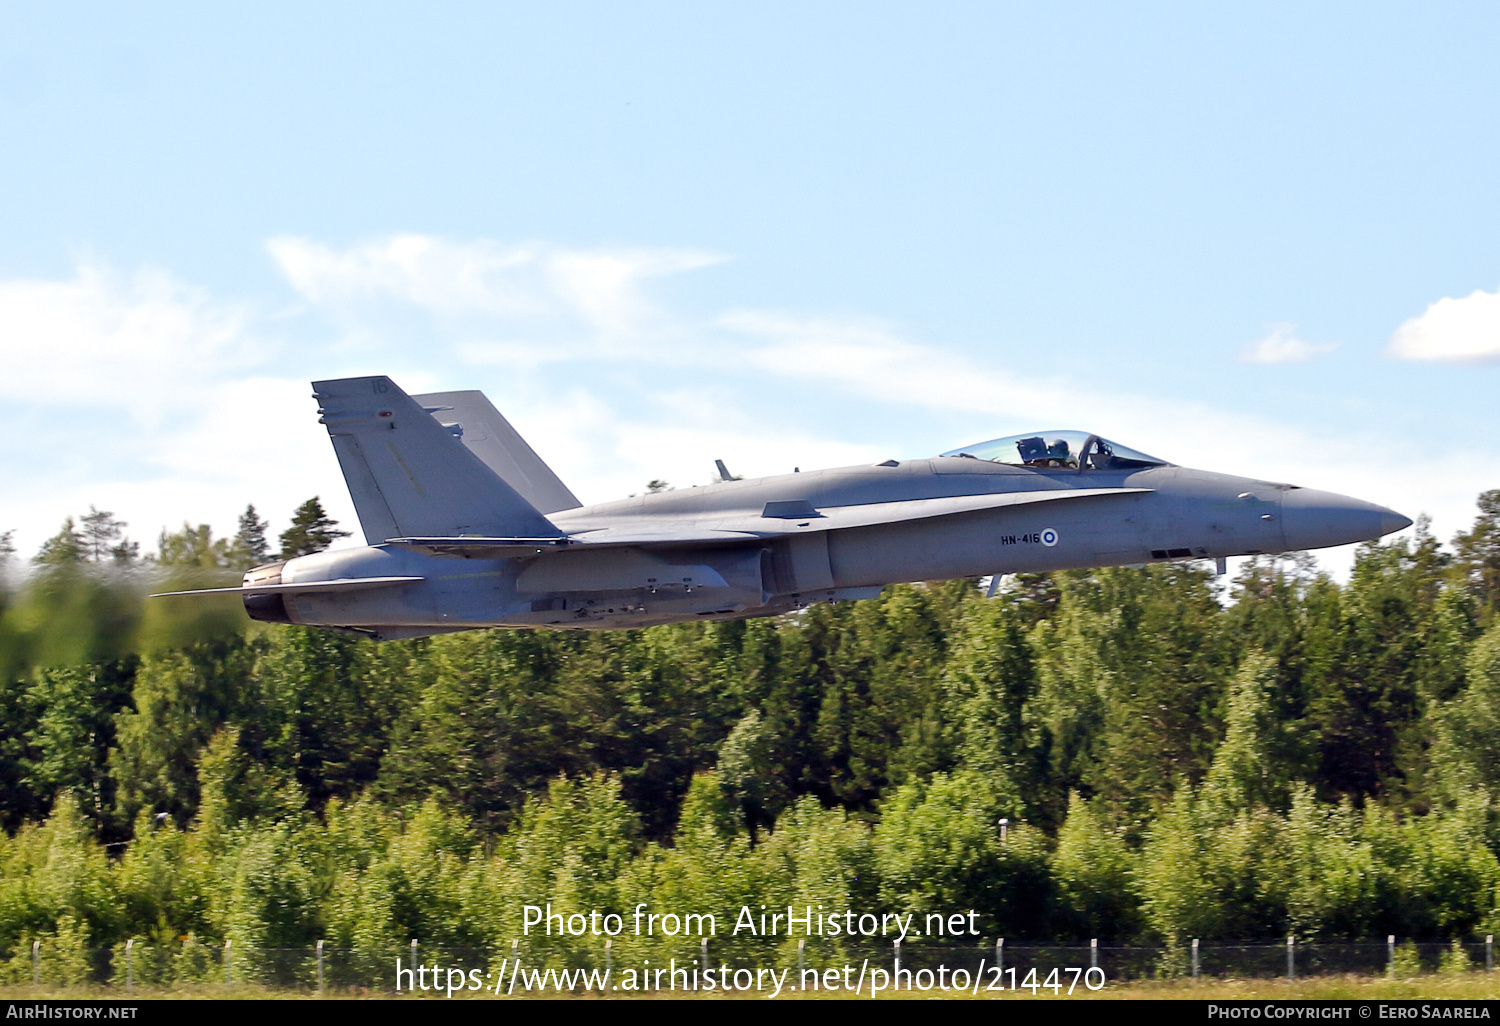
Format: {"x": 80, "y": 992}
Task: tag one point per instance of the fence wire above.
{"x": 154, "y": 967}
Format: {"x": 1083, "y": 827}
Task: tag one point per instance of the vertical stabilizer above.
{"x": 488, "y": 435}
{"x": 409, "y": 475}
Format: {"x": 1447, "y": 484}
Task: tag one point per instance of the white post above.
{"x": 228, "y": 962}
{"x": 703, "y": 948}
{"x": 36, "y": 963}
{"x": 130, "y": 965}
{"x": 1000, "y": 953}
{"x": 1195, "y": 958}
{"x": 1291, "y": 958}
{"x": 1390, "y": 955}
{"x": 1004, "y": 829}
{"x": 801, "y": 945}
{"x": 609, "y": 955}
{"x": 1094, "y": 953}
{"x": 1489, "y": 953}
{"x": 320, "y": 967}
{"x": 898, "y": 958}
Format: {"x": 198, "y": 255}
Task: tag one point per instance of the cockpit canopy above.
{"x": 1061, "y": 449}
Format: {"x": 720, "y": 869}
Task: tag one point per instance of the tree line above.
{"x": 1176, "y": 757}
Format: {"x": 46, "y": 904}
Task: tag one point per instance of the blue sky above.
{"x": 1263, "y": 239}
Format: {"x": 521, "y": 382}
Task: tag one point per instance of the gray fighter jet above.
{"x": 467, "y": 527}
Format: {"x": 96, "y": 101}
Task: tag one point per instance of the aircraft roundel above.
{"x": 1049, "y": 537}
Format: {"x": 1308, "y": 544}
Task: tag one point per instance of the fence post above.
{"x": 898, "y": 958}
{"x": 1390, "y": 955}
{"x": 36, "y": 963}
{"x": 1094, "y": 953}
{"x": 320, "y": 967}
{"x": 1489, "y": 953}
{"x": 1291, "y": 957}
{"x": 228, "y": 962}
{"x": 1000, "y": 953}
{"x": 703, "y": 948}
{"x": 1195, "y": 958}
{"x": 130, "y": 965}
{"x": 801, "y": 965}
{"x": 609, "y": 955}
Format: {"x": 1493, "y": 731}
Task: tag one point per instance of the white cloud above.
{"x": 190, "y": 410}
{"x": 138, "y": 343}
{"x": 144, "y": 395}
{"x": 550, "y": 289}
{"x": 1457, "y": 330}
{"x": 1283, "y": 346}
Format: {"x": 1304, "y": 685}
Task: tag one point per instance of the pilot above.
{"x": 1058, "y": 454}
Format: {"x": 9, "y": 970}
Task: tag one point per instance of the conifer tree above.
{"x": 312, "y": 531}
{"x": 64, "y": 547}
{"x": 250, "y": 547}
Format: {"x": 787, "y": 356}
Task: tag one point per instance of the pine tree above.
{"x": 103, "y": 536}
{"x": 64, "y": 547}
{"x": 250, "y": 547}
{"x": 312, "y": 531}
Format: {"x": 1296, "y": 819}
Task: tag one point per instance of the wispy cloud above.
{"x": 194, "y": 405}
{"x": 139, "y": 344}
{"x": 1283, "y": 346}
{"x": 537, "y": 293}
{"x": 1454, "y": 330}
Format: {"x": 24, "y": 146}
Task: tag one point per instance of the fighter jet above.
{"x": 467, "y": 528}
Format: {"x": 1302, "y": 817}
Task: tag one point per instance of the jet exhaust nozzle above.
{"x": 269, "y": 608}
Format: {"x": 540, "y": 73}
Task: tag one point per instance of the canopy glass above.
{"x": 1061, "y": 449}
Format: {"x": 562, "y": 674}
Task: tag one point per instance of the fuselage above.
{"x": 765, "y": 546}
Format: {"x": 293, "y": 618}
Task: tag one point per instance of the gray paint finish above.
{"x": 468, "y": 528}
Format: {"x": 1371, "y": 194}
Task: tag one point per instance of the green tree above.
{"x": 1246, "y": 771}
{"x": 104, "y": 537}
{"x": 1477, "y": 552}
{"x": 192, "y": 547}
{"x": 249, "y": 547}
{"x": 64, "y": 548}
{"x": 74, "y": 732}
{"x": 747, "y": 772}
{"x": 312, "y": 531}
{"x": 181, "y": 697}
{"x": 1468, "y": 727}
{"x": 1096, "y": 894}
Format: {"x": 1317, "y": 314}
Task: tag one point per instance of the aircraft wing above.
{"x": 776, "y": 519}
{"x": 833, "y": 518}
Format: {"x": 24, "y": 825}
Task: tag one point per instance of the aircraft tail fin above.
{"x": 409, "y": 475}
{"x": 488, "y": 435}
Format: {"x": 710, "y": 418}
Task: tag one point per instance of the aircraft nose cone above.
{"x": 1313, "y": 519}
{"x": 1391, "y": 522}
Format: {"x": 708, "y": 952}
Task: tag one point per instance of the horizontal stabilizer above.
{"x": 343, "y": 584}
